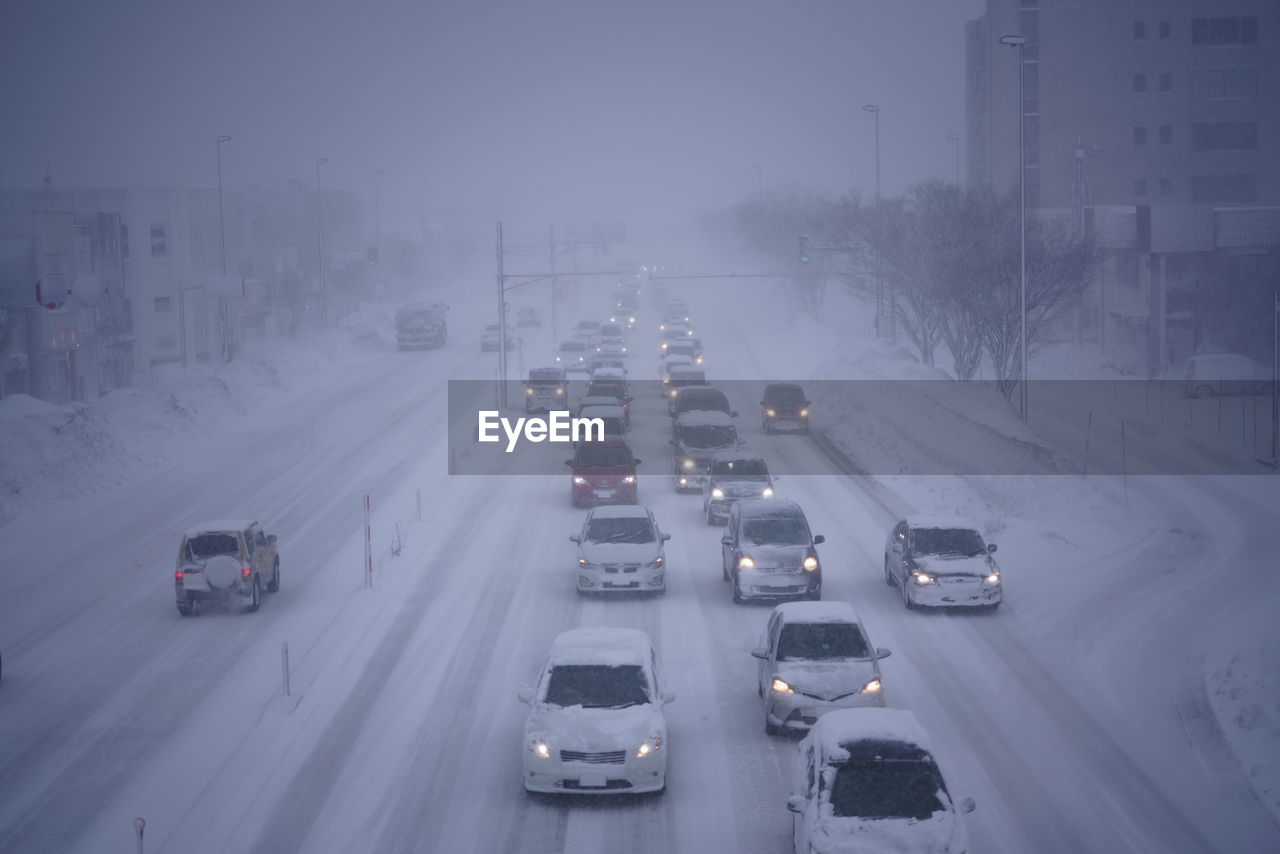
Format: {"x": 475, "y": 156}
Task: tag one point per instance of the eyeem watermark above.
{"x": 558, "y": 426}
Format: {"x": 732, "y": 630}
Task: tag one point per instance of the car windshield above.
{"x": 544, "y": 378}
{"x": 707, "y": 436}
{"x": 682, "y": 348}
{"x": 609, "y": 457}
{"x": 572, "y": 345}
{"x": 610, "y": 330}
{"x": 588, "y": 324}
{"x": 711, "y": 401}
{"x": 740, "y": 469}
{"x": 818, "y": 641}
{"x": 881, "y": 787}
{"x": 631, "y": 530}
{"x": 597, "y": 686}
{"x": 206, "y": 546}
{"x": 614, "y": 390}
{"x": 780, "y": 531}
{"x": 948, "y": 541}
{"x": 785, "y": 395}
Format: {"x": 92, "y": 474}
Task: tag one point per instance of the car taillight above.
{"x": 177, "y": 576}
{"x": 245, "y": 572}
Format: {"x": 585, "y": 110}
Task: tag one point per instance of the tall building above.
{"x": 1158, "y": 121}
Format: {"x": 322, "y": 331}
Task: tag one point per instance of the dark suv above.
{"x": 784, "y": 407}
{"x": 767, "y": 551}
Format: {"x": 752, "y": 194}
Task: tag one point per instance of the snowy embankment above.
{"x": 56, "y": 452}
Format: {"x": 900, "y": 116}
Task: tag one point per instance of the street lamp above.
{"x": 893, "y": 294}
{"x": 377, "y": 219}
{"x": 1020, "y": 43}
{"x": 324, "y": 299}
{"x": 223, "y": 319}
{"x": 955, "y": 138}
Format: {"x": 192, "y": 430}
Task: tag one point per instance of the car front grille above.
{"x": 621, "y": 567}
{"x": 612, "y": 757}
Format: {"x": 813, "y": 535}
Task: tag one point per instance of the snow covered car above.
{"x": 690, "y": 347}
{"x": 586, "y": 330}
{"x": 528, "y": 316}
{"x": 419, "y": 326}
{"x": 866, "y": 780}
{"x": 784, "y": 407}
{"x": 732, "y": 477}
{"x": 1224, "y": 373}
{"x": 613, "y": 416}
{"x": 595, "y": 722}
{"x": 815, "y": 658}
{"x": 544, "y": 390}
{"x": 681, "y": 376}
{"x": 607, "y": 361}
{"x": 695, "y": 439}
{"x": 225, "y": 562}
{"x": 491, "y": 337}
{"x": 572, "y": 356}
{"x": 694, "y": 398}
{"x": 767, "y": 551}
{"x": 611, "y": 340}
{"x": 673, "y": 363}
{"x": 602, "y": 473}
{"x": 943, "y": 562}
{"x": 611, "y": 384}
{"x": 619, "y": 549}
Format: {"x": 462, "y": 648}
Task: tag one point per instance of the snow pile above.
{"x": 1244, "y": 692}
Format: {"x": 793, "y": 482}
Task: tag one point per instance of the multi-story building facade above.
{"x": 1156, "y": 120}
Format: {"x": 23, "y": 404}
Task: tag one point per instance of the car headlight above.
{"x": 994, "y": 578}
{"x": 804, "y": 413}
{"x": 598, "y": 350}
{"x": 872, "y": 687}
{"x": 656, "y": 562}
{"x": 624, "y": 349}
{"x": 810, "y": 563}
{"x": 717, "y": 493}
{"x": 662, "y": 327}
{"x": 579, "y": 479}
{"x": 529, "y": 392}
{"x": 631, "y": 320}
{"x": 664, "y": 346}
{"x": 687, "y": 463}
{"x": 922, "y": 578}
{"x": 782, "y": 687}
{"x": 770, "y": 412}
{"x": 629, "y": 479}
{"x": 745, "y": 562}
{"x": 541, "y": 748}
{"x": 649, "y": 745}
{"x": 559, "y": 392}
{"x": 675, "y": 392}
{"x": 698, "y": 361}
{"x": 767, "y": 492}
{"x": 583, "y": 563}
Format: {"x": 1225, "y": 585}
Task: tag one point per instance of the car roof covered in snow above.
{"x": 572, "y": 345}
{"x": 817, "y": 612}
{"x": 600, "y": 646}
{"x": 944, "y": 522}
{"x": 681, "y": 372}
{"x": 704, "y": 418}
{"x": 620, "y": 511}
{"x": 597, "y": 400}
{"x": 602, "y": 411}
{"x": 605, "y": 373}
{"x": 546, "y": 373}
{"x": 763, "y": 508}
{"x": 846, "y": 726}
{"x": 218, "y": 526}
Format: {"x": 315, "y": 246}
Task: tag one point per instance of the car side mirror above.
{"x": 525, "y": 695}
{"x": 666, "y": 537}
{"x": 967, "y": 805}
{"x": 733, "y": 414}
{"x": 795, "y": 803}
{"x": 806, "y": 403}
{"x": 635, "y": 462}
{"x": 819, "y": 540}
{"x": 991, "y": 548}
{"x": 672, "y": 442}
{"x": 568, "y": 462}
{"x": 762, "y": 403}
{"x": 881, "y": 652}
{"x": 271, "y": 538}
{"x": 726, "y": 541}
{"x": 760, "y": 652}
{"x": 574, "y": 538}
{"x": 668, "y": 697}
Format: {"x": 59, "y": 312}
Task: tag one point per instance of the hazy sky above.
{"x": 566, "y": 110}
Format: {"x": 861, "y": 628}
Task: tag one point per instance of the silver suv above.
{"x": 225, "y": 561}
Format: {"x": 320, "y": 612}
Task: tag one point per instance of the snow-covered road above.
{"x": 1075, "y": 716}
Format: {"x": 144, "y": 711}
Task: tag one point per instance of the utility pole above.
{"x": 555, "y": 333}
{"x": 324, "y": 297}
{"x": 874, "y": 110}
{"x": 502, "y": 327}
{"x": 377, "y": 220}
{"x": 1020, "y": 42}
{"x": 955, "y": 140}
{"x": 223, "y": 319}
{"x": 1275, "y": 378}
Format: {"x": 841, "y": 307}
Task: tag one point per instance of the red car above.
{"x": 603, "y": 473}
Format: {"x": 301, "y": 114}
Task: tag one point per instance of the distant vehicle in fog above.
{"x": 490, "y": 337}
{"x": 1224, "y": 374}
{"x": 942, "y": 561}
{"x": 784, "y": 407}
{"x": 528, "y": 316}
{"x": 420, "y": 326}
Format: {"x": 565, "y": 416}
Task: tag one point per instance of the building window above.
{"x": 1139, "y": 31}
{"x": 1165, "y": 30}
{"x": 163, "y": 305}
{"x": 1166, "y": 81}
{"x": 1224, "y": 85}
{"x": 167, "y": 342}
{"x": 1224, "y": 136}
{"x": 1224, "y": 31}
{"x": 1239, "y": 189}
{"x": 1140, "y": 187}
{"x": 1166, "y": 188}
{"x": 1166, "y": 134}
{"x": 159, "y": 242}
{"x": 1139, "y": 135}
{"x": 1139, "y": 82}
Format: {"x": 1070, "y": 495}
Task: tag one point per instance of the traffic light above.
{"x": 804, "y": 248}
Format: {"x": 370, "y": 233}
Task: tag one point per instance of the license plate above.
{"x": 604, "y": 493}
{"x": 623, "y": 585}
{"x": 594, "y": 780}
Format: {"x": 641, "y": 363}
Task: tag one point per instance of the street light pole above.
{"x": 324, "y": 297}
{"x": 893, "y": 291}
{"x": 955, "y": 138}
{"x": 223, "y": 318}
{"x": 1020, "y": 42}
{"x": 377, "y": 220}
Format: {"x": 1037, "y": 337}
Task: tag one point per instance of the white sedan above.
{"x": 620, "y": 549}
{"x": 595, "y": 721}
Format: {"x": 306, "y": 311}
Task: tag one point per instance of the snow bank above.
{"x": 1242, "y": 675}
